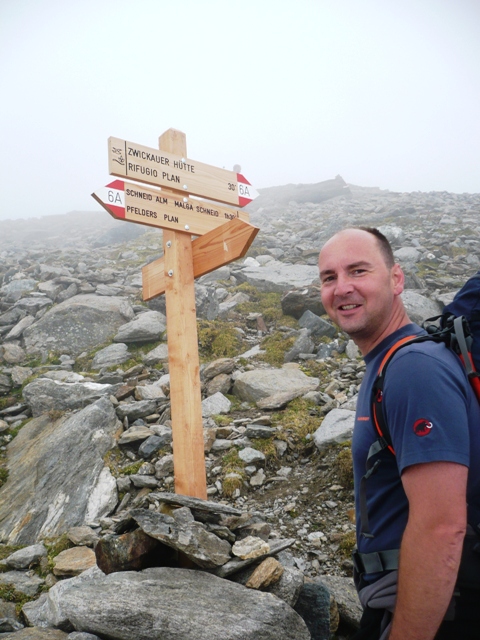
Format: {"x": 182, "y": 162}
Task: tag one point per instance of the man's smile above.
{"x": 347, "y": 307}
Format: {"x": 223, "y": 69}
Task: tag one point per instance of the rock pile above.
{"x": 86, "y": 435}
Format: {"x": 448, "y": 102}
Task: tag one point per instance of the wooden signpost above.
{"x": 224, "y": 235}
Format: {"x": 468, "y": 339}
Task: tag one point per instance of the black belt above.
{"x": 376, "y": 561}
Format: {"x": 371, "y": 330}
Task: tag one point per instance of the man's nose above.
{"x": 343, "y": 286}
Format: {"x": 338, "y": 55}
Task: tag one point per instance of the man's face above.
{"x": 358, "y": 288}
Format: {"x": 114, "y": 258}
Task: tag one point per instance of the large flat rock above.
{"x": 252, "y": 386}
{"x": 57, "y": 477}
{"x": 278, "y": 276}
{"x": 43, "y": 394}
{"x": 78, "y": 324}
{"x": 166, "y": 604}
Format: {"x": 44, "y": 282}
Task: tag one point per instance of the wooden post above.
{"x": 184, "y": 366}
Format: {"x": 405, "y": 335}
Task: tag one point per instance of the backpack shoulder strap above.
{"x": 378, "y": 415}
{"x": 455, "y": 333}
{"x": 384, "y": 440}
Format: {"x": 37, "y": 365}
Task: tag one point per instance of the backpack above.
{"x": 458, "y": 327}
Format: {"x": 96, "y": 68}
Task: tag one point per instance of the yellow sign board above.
{"x": 164, "y": 209}
{"x": 152, "y": 166}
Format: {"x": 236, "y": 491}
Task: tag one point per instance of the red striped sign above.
{"x": 164, "y": 208}
{"x": 159, "y": 168}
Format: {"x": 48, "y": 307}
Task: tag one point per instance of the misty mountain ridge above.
{"x": 98, "y": 226}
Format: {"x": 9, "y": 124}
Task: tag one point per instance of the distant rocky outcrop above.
{"x": 302, "y": 193}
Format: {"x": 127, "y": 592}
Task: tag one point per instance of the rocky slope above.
{"x": 84, "y": 409}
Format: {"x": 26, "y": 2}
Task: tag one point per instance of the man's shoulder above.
{"x": 429, "y": 349}
{"x": 388, "y": 345}
{"x": 413, "y": 361}
{"x": 414, "y": 349}
{"x": 427, "y": 365}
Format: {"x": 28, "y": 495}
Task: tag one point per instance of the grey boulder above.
{"x": 215, "y": 404}
{"x": 419, "y": 307}
{"x": 278, "y": 276}
{"x": 167, "y": 604}
{"x": 23, "y": 558}
{"x": 78, "y": 324}
{"x": 44, "y": 394}
{"x": 147, "y": 327}
{"x": 252, "y": 386}
{"x": 111, "y": 355}
{"x": 337, "y": 426}
{"x": 57, "y": 478}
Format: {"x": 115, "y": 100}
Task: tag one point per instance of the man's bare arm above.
{"x": 431, "y": 547}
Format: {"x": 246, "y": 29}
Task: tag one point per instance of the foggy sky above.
{"x": 383, "y": 93}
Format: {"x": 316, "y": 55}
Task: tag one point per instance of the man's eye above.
{"x": 327, "y": 279}
{"x": 358, "y": 271}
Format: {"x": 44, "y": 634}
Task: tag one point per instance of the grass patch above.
{"x": 275, "y": 347}
{"x": 236, "y": 402}
{"x": 300, "y": 417}
{"x": 344, "y": 468}
{"x": 423, "y": 271}
{"x": 317, "y": 369}
{"x": 267, "y": 447}
{"x": 132, "y": 468}
{"x": 38, "y": 361}
{"x": 8, "y": 593}
{"x": 113, "y": 459}
{"x": 268, "y": 304}
{"x": 231, "y": 463}
{"x": 136, "y": 353}
{"x": 55, "y": 546}
{"x": 231, "y": 484}
{"x": 14, "y": 432}
{"x": 217, "y": 340}
{"x": 7, "y": 402}
{"x": 7, "y": 550}
{"x": 347, "y": 544}
{"x": 85, "y": 363}
{"x": 55, "y": 414}
{"x": 3, "y": 475}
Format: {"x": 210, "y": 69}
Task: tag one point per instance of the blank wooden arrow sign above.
{"x": 216, "y": 248}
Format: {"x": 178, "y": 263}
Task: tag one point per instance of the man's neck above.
{"x": 398, "y": 320}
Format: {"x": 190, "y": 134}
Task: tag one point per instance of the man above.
{"x": 417, "y": 499}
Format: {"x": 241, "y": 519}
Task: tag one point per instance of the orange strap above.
{"x": 392, "y": 350}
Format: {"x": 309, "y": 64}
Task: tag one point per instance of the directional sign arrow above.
{"x": 224, "y": 244}
{"x": 136, "y": 162}
{"x": 164, "y": 209}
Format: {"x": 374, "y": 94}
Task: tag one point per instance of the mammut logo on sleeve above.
{"x": 422, "y": 427}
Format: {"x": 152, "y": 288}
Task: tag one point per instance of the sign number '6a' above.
{"x": 243, "y": 190}
{"x": 115, "y": 198}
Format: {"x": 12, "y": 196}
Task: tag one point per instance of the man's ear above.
{"x": 398, "y": 279}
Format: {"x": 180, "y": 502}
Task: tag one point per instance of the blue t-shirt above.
{"x": 432, "y": 415}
